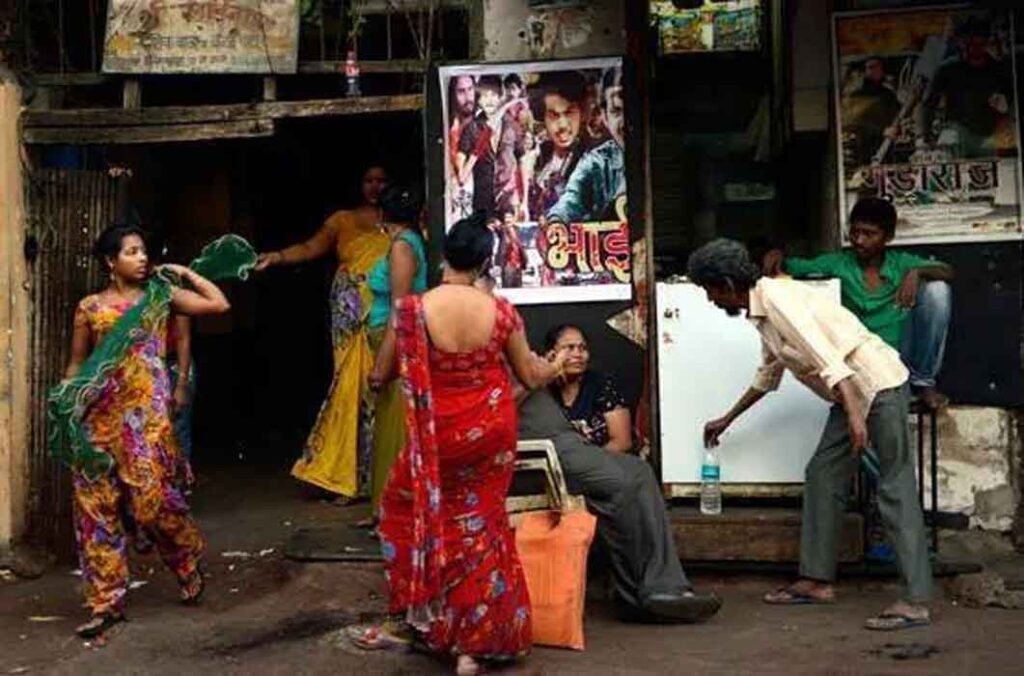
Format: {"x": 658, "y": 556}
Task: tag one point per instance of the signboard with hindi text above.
{"x": 928, "y": 109}
{"x": 201, "y": 36}
{"x": 540, "y": 148}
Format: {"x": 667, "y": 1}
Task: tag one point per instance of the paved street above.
{"x": 266, "y": 615}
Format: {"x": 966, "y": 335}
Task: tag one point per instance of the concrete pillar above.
{"x": 14, "y": 327}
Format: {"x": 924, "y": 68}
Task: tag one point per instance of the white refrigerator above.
{"x": 706, "y": 361}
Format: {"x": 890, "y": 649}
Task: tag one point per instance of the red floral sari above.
{"x": 450, "y": 556}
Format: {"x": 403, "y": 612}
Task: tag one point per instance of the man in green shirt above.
{"x": 903, "y": 298}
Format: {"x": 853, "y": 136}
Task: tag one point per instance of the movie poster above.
{"x": 726, "y": 26}
{"x": 928, "y": 119}
{"x": 540, "y": 148}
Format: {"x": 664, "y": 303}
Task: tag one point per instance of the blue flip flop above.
{"x": 895, "y": 622}
{"x": 787, "y": 596}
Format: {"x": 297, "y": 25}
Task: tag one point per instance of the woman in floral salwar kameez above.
{"x": 128, "y": 423}
{"x": 455, "y": 582}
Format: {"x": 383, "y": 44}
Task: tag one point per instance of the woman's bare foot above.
{"x": 191, "y": 588}
{"x": 467, "y": 666}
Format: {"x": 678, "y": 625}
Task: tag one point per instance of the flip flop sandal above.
{"x": 895, "y": 622}
{"x": 376, "y": 637}
{"x": 99, "y": 625}
{"x": 192, "y": 589}
{"x": 366, "y": 524}
{"x": 142, "y": 543}
{"x": 791, "y": 597}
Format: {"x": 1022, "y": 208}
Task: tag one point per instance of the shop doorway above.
{"x": 264, "y": 369}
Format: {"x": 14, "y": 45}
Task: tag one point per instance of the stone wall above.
{"x": 513, "y": 31}
{"x": 980, "y": 458}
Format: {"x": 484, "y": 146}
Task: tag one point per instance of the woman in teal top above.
{"x": 401, "y": 272}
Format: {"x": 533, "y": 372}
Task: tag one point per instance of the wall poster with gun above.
{"x": 541, "y": 148}
{"x": 927, "y": 118}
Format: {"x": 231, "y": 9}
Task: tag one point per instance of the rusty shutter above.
{"x": 67, "y": 209}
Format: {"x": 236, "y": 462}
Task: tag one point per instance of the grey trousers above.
{"x": 827, "y": 488}
{"x": 622, "y": 491}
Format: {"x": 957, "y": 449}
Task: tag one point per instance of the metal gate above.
{"x": 66, "y": 209}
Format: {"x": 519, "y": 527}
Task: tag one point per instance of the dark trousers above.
{"x": 622, "y": 491}
{"x": 827, "y": 485}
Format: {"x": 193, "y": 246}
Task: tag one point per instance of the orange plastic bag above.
{"x": 553, "y": 549}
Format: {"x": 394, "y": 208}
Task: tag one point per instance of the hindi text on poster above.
{"x": 927, "y": 108}
{"x": 540, "y": 149}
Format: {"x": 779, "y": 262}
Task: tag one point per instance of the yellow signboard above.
{"x": 201, "y": 36}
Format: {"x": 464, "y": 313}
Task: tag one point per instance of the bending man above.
{"x": 830, "y": 351}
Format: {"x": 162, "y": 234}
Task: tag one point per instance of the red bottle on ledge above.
{"x": 352, "y": 74}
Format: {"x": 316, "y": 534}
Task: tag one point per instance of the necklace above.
{"x": 458, "y": 279}
{"x": 459, "y": 282}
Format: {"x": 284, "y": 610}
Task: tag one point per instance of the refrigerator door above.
{"x": 706, "y": 360}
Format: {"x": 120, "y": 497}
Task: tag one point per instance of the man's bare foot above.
{"x": 932, "y": 398}
{"x": 466, "y": 666}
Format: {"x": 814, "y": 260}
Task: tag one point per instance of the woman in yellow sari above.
{"x": 337, "y": 455}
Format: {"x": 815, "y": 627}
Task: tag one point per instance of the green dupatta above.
{"x": 229, "y": 257}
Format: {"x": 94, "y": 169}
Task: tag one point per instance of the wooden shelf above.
{"x": 177, "y": 123}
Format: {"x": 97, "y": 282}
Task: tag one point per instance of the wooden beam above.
{"x": 114, "y": 117}
{"x": 15, "y": 404}
{"x": 70, "y": 79}
{"x": 358, "y": 105}
{"x": 270, "y": 88}
{"x": 132, "y": 94}
{"x": 365, "y": 67}
{"x": 164, "y": 115}
{"x": 391, "y": 6}
{"x": 755, "y": 534}
{"x": 210, "y": 131}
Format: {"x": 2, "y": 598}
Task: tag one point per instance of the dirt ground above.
{"x": 266, "y": 615}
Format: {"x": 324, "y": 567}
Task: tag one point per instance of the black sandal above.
{"x": 99, "y": 625}
{"x": 142, "y": 543}
{"x": 192, "y": 589}
{"x": 369, "y": 523}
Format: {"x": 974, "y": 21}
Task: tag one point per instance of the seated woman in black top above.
{"x": 590, "y": 399}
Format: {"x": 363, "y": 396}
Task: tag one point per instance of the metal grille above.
{"x": 67, "y": 209}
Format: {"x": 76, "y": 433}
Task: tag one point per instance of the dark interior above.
{"x": 264, "y": 369}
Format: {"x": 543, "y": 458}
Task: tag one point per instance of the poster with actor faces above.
{"x": 927, "y": 107}
{"x": 540, "y": 149}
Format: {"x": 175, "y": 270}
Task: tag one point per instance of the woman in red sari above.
{"x": 453, "y": 573}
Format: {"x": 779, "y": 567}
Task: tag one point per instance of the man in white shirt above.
{"x": 827, "y": 348}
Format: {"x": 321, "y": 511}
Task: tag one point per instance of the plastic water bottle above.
{"x": 352, "y": 74}
{"x": 710, "y": 484}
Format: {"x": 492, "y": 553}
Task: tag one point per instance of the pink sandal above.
{"x": 377, "y": 637}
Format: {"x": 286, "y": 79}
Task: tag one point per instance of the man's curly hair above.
{"x": 723, "y": 262}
